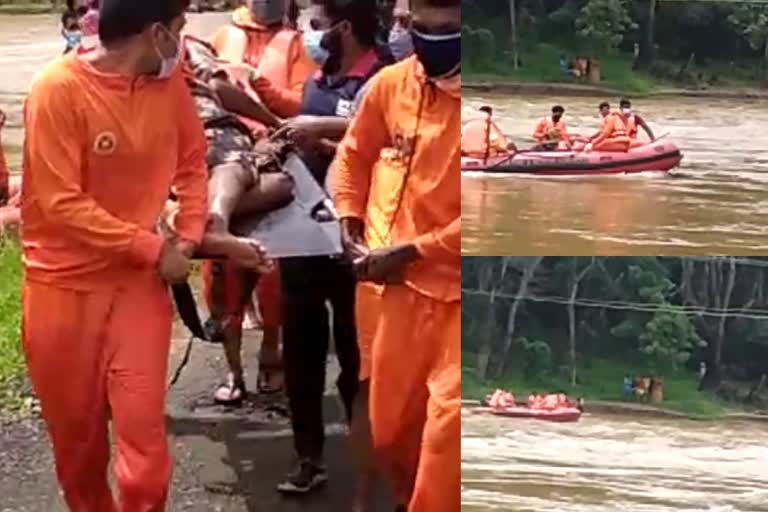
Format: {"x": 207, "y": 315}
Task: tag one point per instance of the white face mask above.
{"x": 168, "y": 64}
{"x": 626, "y": 111}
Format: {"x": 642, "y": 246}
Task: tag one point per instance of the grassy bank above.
{"x": 539, "y": 63}
{"x": 11, "y": 357}
{"x": 602, "y": 381}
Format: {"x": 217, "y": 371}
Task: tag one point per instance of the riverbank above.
{"x": 483, "y": 83}
{"x": 11, "y": 356}
{"x": 539, "y": 73}
{"x": 601, "y": 387}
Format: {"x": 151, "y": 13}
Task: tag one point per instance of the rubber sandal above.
{"x": 232, "y": 389}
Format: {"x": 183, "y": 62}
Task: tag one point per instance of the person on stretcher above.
{"x": 245, "y": 175}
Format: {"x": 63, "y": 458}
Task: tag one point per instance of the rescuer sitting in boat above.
{"x": 551, "y": 132}
{"x": 633, "y": 120}
{"x": 619, "y": 130}
{"x": 500, "y": 399}
{"x": 482, "y": 138}
{"x": 605, "y": 112}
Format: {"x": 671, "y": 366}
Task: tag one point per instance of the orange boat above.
{"x": 656, "y": 156}
{"x": 562, "y": 415}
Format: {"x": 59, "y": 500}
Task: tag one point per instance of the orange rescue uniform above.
{"x": 408, "y": 129}
{"x": 482, "y": 138}
{"x": 614, "y": 135}
{"x": 100, "y": 157}
{"x": 368, "y": 295}
{"x": 276, "y": 53}
{"x": 549, "y": 131}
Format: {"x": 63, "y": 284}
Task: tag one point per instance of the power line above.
{"x": 633, "y": 306}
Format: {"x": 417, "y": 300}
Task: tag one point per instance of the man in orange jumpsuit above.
{"x": 273, "y": 68}
{"x": 551, "y": 132}
{"x": 408, "y": 126}
{"x": 482, "y": 138}
{"x": 604, "y": 110}
{"x": 271, "y": 55}
{"x": 633, "y": 121}
{"x": 368, "y": 294}
{"x": 109, "y": 132}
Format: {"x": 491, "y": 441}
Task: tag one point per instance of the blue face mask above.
{"x": 313, "y": 46}
{"x": 439, "y": 54}
{"x": 400, "y": 43}
{"x": 73, "y": 38}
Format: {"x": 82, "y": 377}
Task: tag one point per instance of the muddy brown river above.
{"x": 611, "y": 464}
{"x": 715, "y": 203}
{"x": 27, "y": 43}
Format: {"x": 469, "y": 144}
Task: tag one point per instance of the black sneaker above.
{"x": 306, "y": 477}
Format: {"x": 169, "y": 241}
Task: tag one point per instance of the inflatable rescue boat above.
{"x": 656, "y": 156}
{"x": 562, "y": 414}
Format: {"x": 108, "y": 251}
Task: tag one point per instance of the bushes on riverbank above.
{"x": 541, "y": 63}
{"x": 11, "y": 356}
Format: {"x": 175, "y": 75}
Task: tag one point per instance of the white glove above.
{"x": 588, "y": 148}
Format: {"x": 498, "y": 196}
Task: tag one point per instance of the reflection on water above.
{"x": 613, "y": 463}
{"x": 716, "y": 203}
{"x": 27, "y": 43}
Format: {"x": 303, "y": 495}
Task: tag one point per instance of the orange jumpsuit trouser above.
{"x": 416, "y": 398}
{"x": 621, "y": 144}
{"x": 93, "y": 356}
{"x": 367, "y": 314}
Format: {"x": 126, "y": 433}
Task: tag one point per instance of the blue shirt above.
{"x": 335, "y": 96}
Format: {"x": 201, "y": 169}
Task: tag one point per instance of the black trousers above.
{"x": 307, "y": 284}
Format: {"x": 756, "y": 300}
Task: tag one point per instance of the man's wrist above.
{"x": 187, "y": 248}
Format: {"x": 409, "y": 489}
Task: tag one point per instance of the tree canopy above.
{"x": 551, "y": 314}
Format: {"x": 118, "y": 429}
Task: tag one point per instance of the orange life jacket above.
{"x": 272, "y": 62}
{"x": 548, "y": 130}
{"x": 619, "y": 127}
{"x": 550, "y": 402}
{"x": 482, "y": 138}
{"x": 631, "y": 124}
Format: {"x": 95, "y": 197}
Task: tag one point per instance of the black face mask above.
{"x": 332, "y": 42}
{"x": 439, "y": 54}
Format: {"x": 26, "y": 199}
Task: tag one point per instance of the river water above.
{"x": 611, "y": 464}
{"x": 716, "y": 203}
{"x": 27, "y": 43}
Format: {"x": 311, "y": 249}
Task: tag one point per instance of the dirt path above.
{"x": 224, "y": 461}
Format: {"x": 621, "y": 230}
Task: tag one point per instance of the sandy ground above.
{"x": 224, "y": 460}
